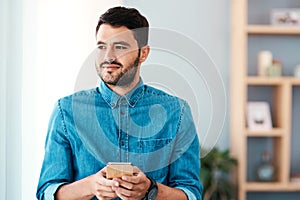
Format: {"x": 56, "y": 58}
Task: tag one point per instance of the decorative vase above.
{"x": 264, "y": 60}
{"x": 265, "y": 171}
{"x": 297, "y": 71}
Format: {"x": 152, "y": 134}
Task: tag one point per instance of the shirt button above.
{"x": 122, "y": 143}
{"x": 122, "y": 112}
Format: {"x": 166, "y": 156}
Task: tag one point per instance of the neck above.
{"x": 122, "y": 90}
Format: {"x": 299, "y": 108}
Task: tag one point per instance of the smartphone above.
{"x": 118, "y": 169}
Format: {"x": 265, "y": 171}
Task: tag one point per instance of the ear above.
{"x": 144, "y": 53}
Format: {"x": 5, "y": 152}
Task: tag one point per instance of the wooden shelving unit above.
{"x": 254, "y": 80}
{"x": 282, "y": 97}
{"x": 275, "y": 132}
{"x": 271, "y": 187}
{"x": 271, "y": 30}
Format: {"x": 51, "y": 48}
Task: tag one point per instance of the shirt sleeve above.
{"x": 189, "y": 194}
{"x": 57, "y": 165}
{"x": 51, "y": 190}
{"x": 185, "y": 170}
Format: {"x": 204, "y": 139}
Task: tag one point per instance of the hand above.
{"x": 102, "y": 187}
{"x": 132, "y": 187}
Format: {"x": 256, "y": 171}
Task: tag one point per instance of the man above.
{"x": 122, "y": 120}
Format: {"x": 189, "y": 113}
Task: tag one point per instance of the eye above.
{"x": 101, "y": 46}
{"x": 120, "y": 46}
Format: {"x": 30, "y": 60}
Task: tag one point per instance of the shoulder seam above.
{"x": 184, "y": 103}
{"x": 63, "y": 119}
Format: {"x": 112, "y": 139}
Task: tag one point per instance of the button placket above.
{"x": 123, "y": 125}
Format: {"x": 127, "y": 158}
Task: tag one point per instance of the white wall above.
{"x": 65, "y": 37}
{"x": 57, "y": 38}
{"x": 207, "y": 24}
{"x": 10, "y": 103}
{"x": 3, "y": 34}
{"x": 29, "y": 119}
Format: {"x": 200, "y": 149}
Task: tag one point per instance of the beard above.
{"x": 123, "y": 78}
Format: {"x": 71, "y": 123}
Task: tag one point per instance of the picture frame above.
{"x": 285, "y": 17}
{"x": 259, "y": 116}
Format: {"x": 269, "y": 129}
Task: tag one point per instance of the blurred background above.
{"x": 44, "y": 45}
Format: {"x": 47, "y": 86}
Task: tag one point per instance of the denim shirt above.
{"x": 147, "y": 127}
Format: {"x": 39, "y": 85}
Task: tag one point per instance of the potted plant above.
{"x": 215, "y": 175}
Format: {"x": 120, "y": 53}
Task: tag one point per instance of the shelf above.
{"x": 271, "y": 186}
{"x": 275, "y": 132}
{"x": 257, "y": 80}
{"x": 271, "y": 30}
{"x": 295, "y": 81}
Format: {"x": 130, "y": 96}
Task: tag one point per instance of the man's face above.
{"x": 117, "y": 56}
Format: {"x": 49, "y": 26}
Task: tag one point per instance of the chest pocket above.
{"x": 154, "y": 156}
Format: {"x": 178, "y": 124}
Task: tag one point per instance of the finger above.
{"x": 123, "y": 193}
{"x": 103, "y": 170}
{"x": 138, "y": 178}
{"x": 107, "y": 182}
{"x": 136, "y": 170}
{"x": 103, "y": 198}
{"x": 106, "y": 195}
{"x": 126, "y": 184}
{"x": 104, "y": 188}
{"x": 130, "y": 179}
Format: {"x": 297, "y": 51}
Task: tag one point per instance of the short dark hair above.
{"x": 130, "y": 18}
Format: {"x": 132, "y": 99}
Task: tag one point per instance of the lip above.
{"x": 111, "y": 66}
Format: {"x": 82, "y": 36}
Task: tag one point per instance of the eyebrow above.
{"x": 115, "y": 43}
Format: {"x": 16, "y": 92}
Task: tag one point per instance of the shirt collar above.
{"x": 113, "y": 99}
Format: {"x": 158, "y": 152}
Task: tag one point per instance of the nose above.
{"x": 110, "y": 55}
